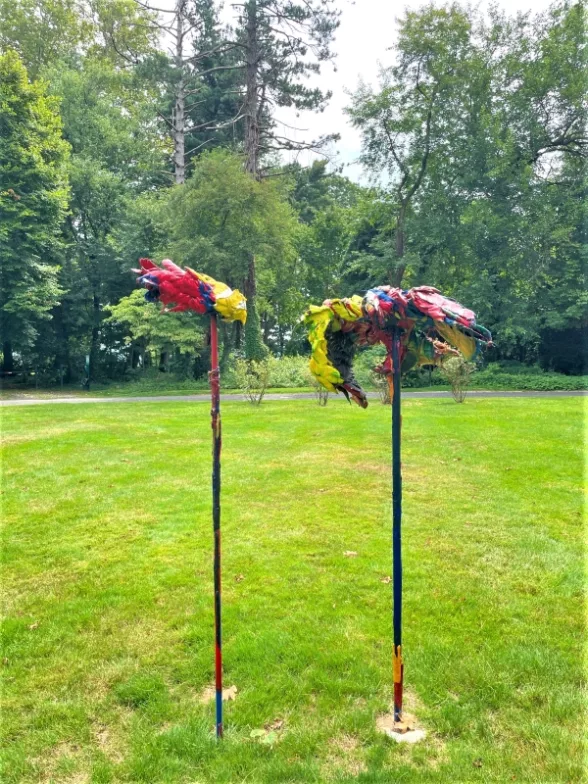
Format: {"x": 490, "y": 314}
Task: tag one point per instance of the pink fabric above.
{"x": 430, "y": 301}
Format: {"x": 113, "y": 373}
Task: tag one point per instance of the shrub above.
{"x": 366, "y": 360}
{"x": 458, "y": 373}
{"x": 489, "y": 378}
{"x": 321, "y": 394}
{"x": 289, "y": 372}
{"x": 252, "y": 378}
{"x": 382, "y": 386}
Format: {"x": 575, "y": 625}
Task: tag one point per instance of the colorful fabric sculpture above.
{"x": 190, "y": 290}
{"x": 432, "y": 327}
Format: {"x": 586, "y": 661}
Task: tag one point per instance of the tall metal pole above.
{"x": 398, "y": 665}
{"x": 216, "y": 488}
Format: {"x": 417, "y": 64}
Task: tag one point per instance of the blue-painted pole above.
{"x": 398, "y": 665}
{"x": 216, "y": 489}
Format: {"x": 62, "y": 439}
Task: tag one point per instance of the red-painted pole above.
{"x": 216, "y": 488}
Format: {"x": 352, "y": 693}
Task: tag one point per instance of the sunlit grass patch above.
{"x": 108, "y": 592}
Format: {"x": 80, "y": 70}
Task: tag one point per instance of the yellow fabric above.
{"x": 397, "y": 665}
{"x": 230, "y": 304}
{"x": 318, "y": 318}
{"x": 465, "y": 343}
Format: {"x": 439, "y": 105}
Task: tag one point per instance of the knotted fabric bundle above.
{"x": 431, "y": 325}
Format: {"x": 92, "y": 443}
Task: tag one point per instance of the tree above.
{"x": 327, "y": 205}
{"x": 405, "y": 124}
{"x": 33, "y": 201}
{"x": 222, "y": 217}
{"x": 117, "y": 153}
{"x": 45, "y": 32}
{"x": 494, "y": 218}
{"x": 192, "y": 104}
{"x": 279, "y": 43}
{"x": 151, "y": 333}
{"x": 42, "y": 31}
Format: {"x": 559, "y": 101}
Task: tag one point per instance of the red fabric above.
{"x": 174, "y": 286}
{"x": 431, "y": 302}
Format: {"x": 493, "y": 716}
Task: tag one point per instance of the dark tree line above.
{"x": 131, "y": 131}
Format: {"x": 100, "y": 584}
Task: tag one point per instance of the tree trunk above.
{"x": 227, "y": 346}
{"x": 94, "y": 347}
{"x": 281, "y": 339}
{"x": 237, "y": 334}
{"x": 251, "y": 107}
{"x": 397, "y": 273}
{"x": 164, "y": 361}
{"x": 8, "y": 359}
{"x": 62, "y": 360}
{"x": 266, "y": 329}
{"x": 254, "y": 347}
{"x": 179, "y": 111}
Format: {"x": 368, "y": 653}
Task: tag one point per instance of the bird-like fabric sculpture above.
{"x": 432, "y": 326}
{"x": 185, "y": 289}
{"x": 190, "y": 290}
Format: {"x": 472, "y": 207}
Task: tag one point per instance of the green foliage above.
{"x": 42, "y": 31}
{"x": 221, "y": 219}
{"x": 116, "y": 154}
{"x": 255, "y": 349}
{"x": 458, "y": 373}
{"x": 252, "y": 378}
{"x": 493, "y": 377}
{"x": 33, "y": 201}
{"x": 487, "y": 191}
{"x": 475, "y": 139}
{"x": 222, "y": 216}
{"x": 503, "y": 376}
{"x": 183, "y": 332}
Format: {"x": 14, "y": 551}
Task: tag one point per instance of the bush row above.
{"x": 293, "y": 372}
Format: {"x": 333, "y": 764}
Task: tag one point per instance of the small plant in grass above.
{"x": 458, "y": 373}
{"x": 380, "y": 382}
{"x": 321, "y": 394}
{"x": 252, "y": 378}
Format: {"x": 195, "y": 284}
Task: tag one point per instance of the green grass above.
{"x": 108, "y": 592}
{"x": 130, "y": 390}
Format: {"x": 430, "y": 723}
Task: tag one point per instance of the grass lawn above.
{"x": 128, "y": 390}
{"x": 107, "y": 577}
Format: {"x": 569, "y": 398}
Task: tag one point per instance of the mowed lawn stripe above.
{"x": 107, "y": 581}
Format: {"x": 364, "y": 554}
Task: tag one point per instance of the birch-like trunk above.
{"x": 179, "y": 111}
{"x": 254, "y": 347}
{"x": 251, "y": 108}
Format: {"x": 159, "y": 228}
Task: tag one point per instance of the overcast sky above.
{"x": 366, "y": 32}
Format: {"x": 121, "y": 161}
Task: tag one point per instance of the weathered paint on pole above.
{"x": 398, "y": 665}
{"x": 216, "y": 489}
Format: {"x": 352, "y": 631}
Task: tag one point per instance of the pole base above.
{"x": 405, "y": 731}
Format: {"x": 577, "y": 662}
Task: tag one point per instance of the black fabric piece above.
{"x": 341, "y": 352}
